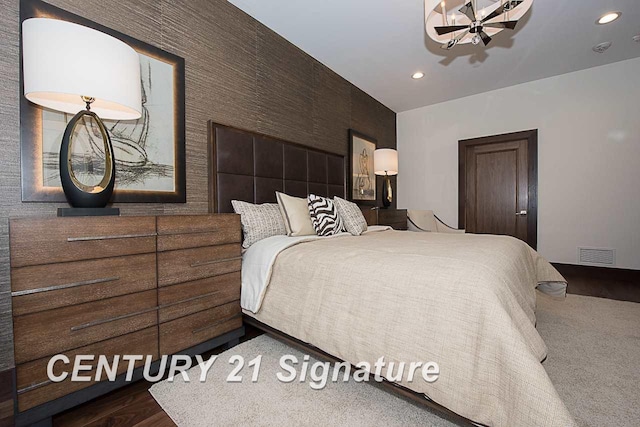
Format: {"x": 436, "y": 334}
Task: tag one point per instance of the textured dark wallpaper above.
{"x": 238, "y": 72}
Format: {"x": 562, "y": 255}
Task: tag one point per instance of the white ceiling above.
{"x": 378, "y": 44}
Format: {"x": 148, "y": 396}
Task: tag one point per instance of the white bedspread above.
{"x": 258, "y": 260}
{"x": 466, "y": 302}
{"x": 257, "y": 263}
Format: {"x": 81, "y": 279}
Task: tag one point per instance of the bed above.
{"x": 466, "y": 302}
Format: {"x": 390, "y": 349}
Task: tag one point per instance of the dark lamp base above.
{"x": 387, "y": 193}
{"x": 88, "y": 211}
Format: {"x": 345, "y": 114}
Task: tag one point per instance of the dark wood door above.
{"x": 498, "y": 182}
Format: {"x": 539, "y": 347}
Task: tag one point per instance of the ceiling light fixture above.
{"x": 609, "y": 17}
{"x": 417, "y": 75}
{"x": 475, "y": 24}
{"x": 602, "y": 47}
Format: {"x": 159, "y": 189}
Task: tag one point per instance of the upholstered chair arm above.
{"x": 444, "y": 228}
{"x": 425, "y": 220}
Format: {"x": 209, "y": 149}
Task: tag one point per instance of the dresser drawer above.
{"x": 44, "y": 287}
{"x": 192, "y": 264}
{"x": 194, "y": 329}
{"x": 35, "y": 388}
{"x": 51, "y": 240}
{"x": 187, "y": 298}
{"x": 181, "y": 232}
{"x": 53, "y": 331}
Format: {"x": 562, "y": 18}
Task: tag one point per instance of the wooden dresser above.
{"x": 117, "y": 286}
{"x": 199, "y": 262}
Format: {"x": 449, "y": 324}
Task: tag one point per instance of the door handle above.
{"x": 521, "y": 213}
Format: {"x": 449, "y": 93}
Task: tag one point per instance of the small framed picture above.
{"x": 362, "y": 180}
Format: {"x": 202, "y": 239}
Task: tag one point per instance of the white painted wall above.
{"x": 588, "y": 156}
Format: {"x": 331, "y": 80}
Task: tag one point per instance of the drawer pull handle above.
{"x": 112, "y": 319}
{"x": 65, "y": 286}
{"x": 34, "y": 386}
{"x": 214, "y": 261}
{"x": 182, "y": 301}
{"x": 121, "y": 236}
{"x": 179, "y": 233}
{"x": 195, "y": 331}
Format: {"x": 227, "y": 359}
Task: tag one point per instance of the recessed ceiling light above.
{"x": 609, "y": 17}
{"x": 417, "y": 75}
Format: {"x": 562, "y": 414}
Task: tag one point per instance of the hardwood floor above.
{"x": 7, "y": 386}
{"x": 612, "y": 283}
{"x": 130, "y": 406}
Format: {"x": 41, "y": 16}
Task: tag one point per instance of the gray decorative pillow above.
{"x": 351, "y": 216}
{"x": 324, "y": 216}
{"x": 259, "y": 221}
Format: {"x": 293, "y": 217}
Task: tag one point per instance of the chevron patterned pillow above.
{"x": 324, "y": 216}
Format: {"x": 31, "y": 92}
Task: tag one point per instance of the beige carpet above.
{"x": 594, "y": 357}
{"x": 594, "y": 361}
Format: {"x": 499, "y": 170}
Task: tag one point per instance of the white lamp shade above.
{"x": 385, "y": 161}
{"x": 63, "y": 61}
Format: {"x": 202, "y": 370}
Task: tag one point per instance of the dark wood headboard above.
{"x": 251, "y": 167}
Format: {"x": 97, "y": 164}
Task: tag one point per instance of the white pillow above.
{"x": 295, "y": 213}
{"x": 351, "y": 215}
{"x": 259, "y": 221}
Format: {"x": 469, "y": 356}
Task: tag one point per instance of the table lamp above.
{"x": 385, "y": 162}
{"x": 74, "y": 69}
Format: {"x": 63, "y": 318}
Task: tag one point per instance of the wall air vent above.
{"x": 597, "y": 256}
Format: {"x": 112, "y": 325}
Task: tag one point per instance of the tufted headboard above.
{"x": 251, "y": 167}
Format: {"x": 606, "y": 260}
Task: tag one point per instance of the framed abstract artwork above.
{"x": 149, "y": 152}
{"x": 362, "y": 180}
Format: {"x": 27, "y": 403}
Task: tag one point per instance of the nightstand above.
{"x": 395, "y": 218}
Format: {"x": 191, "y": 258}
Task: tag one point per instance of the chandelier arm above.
{"x": 451, "y": 43}
{"x": 467, "y": 10}
{"x": 450, "y": 29}
{"x": 509, "y": 25}
{"x": 485, "y": 38}
{"x": 508, "y": 6}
